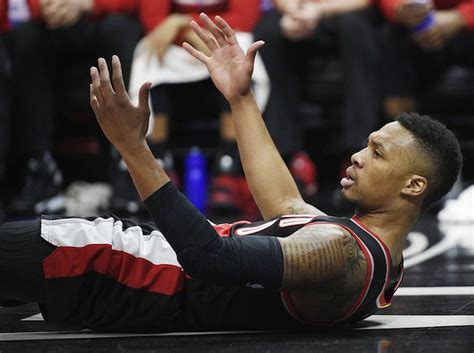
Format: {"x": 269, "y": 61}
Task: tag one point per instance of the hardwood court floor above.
{"x": 433, "y": 311}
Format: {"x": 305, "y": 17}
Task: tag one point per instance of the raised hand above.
{"x": 124, "y": 124}
{"x": 410, "y": 13}
{"x": 60, "y": 13}
{"x": 161, "y": 38}
{"x": 230, "y": 69}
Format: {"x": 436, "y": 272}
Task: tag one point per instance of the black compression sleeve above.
{"x": 204, "y": 254}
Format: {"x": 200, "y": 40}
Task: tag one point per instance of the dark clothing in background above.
{"x": 43, "y": 61}
{"x": 352, "y": 38}
{"x": 5, "y": 77}
{"x": 408, "y": 69}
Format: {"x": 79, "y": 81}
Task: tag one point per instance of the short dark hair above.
{"x": 441, "y": 147}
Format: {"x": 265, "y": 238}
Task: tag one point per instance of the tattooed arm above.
{"x": 324, "y": 271}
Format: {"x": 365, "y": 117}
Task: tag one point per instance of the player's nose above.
{"x": 357, "y": 159}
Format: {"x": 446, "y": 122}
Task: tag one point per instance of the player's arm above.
{"x": 125, "y": 125}
{"x": 269, "y": 261}
{"x": 270, "y": 181}
{"x": 322, "y": 259}
{"x": 200, "y": 250}
{"x": 318, "y": 254}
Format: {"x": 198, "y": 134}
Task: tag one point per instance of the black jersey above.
{"x": 260, "y": 307}
{"x": 116, "y": 275}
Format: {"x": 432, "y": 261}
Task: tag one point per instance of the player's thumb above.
{"x": 143, "y": 96}
{"x": 252, "y": 51}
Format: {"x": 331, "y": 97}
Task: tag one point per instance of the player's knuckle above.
{"x": 117, "y": 78}
{"x": 110, "y": 105}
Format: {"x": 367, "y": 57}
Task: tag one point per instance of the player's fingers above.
{"x": 205, "y": 37}
{"x": 96, "y": 85}
{"x": 216, "y": 31}
{"x": 252, "y": 51}
{"x": 227, "y": 30}
{"x": 196, "y": 53}
{"x": 105, "y": 85}
{"x": 117, "y": 77}
{"x": 94, "y": 102}
{"x": 143, "y": 97}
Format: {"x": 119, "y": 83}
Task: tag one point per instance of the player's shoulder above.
{"x": 320, "y": 230}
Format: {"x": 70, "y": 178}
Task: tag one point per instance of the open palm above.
{"x": 230, "y": 69}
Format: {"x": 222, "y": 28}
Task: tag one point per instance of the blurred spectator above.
{"x": 4, "y": 82}
{"x": 302, "y": 29}
{"x": 4, "y": 96}
{"x": 55, "y": 37}
{"x": 161, "y": 60}
{"x": 423, "y": 40}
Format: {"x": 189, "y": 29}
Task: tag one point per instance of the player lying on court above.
{"x": 297, "y": 268}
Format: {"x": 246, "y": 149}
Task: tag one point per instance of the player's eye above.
{"x": 377, "y": 154}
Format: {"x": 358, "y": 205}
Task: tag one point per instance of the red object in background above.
{"x": 241, "y": 15}
{"x": 4, "y": 25}
{"x": 231, "y": 193}
{"x": 305, "y": 173}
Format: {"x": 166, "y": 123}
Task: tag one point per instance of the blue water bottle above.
{"x": 427, "y": 22}
{"x": 195, "y": 178}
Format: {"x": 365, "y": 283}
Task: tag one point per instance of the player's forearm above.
{"x": 204, "y": 255}
{"x": 333, "y": 8}
{"x": 269, "y": 179}
{"x": 148, "y": 176}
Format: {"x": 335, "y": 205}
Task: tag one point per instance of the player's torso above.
{"x": 137, "y": 258}
{"x": 327, "y": 302}
{"x": 352, "y": 297}
{"x": 210, "y": 306}
{"x": 266, "y": 309}
{"x": 336, "y": 300}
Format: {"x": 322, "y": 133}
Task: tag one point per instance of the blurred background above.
{"x": 331, "y": 72}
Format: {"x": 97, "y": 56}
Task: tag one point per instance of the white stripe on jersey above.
{"x": 78, "y": 232}
{"x": 288, "y": 222}
{"x": 255, "y": 229}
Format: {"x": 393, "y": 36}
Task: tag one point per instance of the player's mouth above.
{"x": 349, "y": 179}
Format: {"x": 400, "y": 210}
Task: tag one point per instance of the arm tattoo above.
{"x": 303, "y": 208}
{"x": 311, "y": 261}
{"x": 296, "y": 210}
{"x": 354, "y": 255}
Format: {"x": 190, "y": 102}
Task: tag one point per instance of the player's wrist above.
{"x": 241, "y": 99}
{"x": 133, "y": 149}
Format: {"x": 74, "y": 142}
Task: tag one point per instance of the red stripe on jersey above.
{"x": 289, "y": 306}
{"x": 368, "y": 278}
{"x": 126, "y": 269}
{"x": 224, "y": 229}
{"x": 388, "y": 260}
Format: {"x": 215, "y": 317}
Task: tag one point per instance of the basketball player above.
{"x": 297, "y": 268}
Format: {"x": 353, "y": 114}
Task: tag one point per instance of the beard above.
{"x": 355, "y": 204}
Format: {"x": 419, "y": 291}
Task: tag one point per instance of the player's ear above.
{"x": 415, "y": 185}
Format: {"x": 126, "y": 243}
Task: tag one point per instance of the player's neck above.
{"x": 391, "y": 227}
